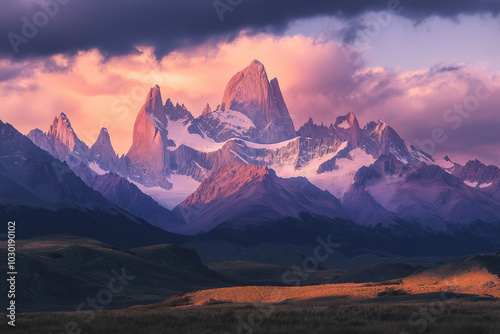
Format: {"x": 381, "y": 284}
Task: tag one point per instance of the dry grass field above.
{"x": 462, "y": 316}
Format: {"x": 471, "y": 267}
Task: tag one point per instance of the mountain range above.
{"x": 44, "y": 196}
{"x": 243, "y": 166}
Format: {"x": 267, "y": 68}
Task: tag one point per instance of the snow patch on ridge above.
{"x": 157, "y": 123}
{"x": 182, "y": 187}
{"x": 344, "y": 125}
{"x": 178, "y": 132}
{"x": 271, "y": 147}
{"x": 235, "y": 120}
{"x": 95, "y": 167}
{"x": 444, "y": 164}
{"x": 471, "y": 184}
{"x": 337, "y": 181}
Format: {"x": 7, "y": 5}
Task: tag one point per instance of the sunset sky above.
{"x": 411, "y": 64}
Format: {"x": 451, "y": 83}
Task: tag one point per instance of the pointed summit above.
{"x": 150, "y": 129}
{"x": 169, "y": 104}
{"x": 206, "y": 111}
{"x": 61, "y": 130}
{"x": 251, "y": 93}
{"x": 154, "y": 106}
{"x": 103, "y": 153}
{"x": 61, "y": 140}
{"x": 103, "y": 139}
{"x": 257, "y": 64}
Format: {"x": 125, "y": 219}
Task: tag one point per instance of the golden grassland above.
{"x": 480, "y": 283}
{"x": 457, "y": 317}
{"x": 467, "y": 303}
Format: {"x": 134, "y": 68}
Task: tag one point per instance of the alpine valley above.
{"x": 242, "y": 178}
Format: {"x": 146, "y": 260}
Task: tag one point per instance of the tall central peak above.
{"x": 250, "y": 92}
{"x": 154, "y": 105}
{"x": 148, "y": 154}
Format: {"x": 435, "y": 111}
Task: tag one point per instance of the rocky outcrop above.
{"x": 476, "y": 171}
{"x": 207, "y": 110}
{"x": 347, "y": 129}
{"x": 312, "y": 130}
{"x": 178, "y": 112}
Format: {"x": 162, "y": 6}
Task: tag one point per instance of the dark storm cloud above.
{"x": 349, "y": 33}
{"x": 9, "y": 73}
{"x": 116, "y": 27}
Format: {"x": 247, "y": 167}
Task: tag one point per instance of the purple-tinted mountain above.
{"x": 494, "y": 190}
{"x": 61, "y": 140}
{"x": 423, "y": 194}
{"x": 44, "y": 196}
{"x": 126, "y": 195}
{"x": 379, "y": 139}
{"x": 375, "y": 139}
{"x": 38, "y": 137}
{"x": 103, "y": 154}
{"x": 254, "y": 168}
{"x": 243, "y": 194}
{"x": 476, "y": 171}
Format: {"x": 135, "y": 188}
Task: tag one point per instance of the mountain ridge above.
{"x": 369, "y": 170}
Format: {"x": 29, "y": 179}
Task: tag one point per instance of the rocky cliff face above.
{"x": 178, "y": 112}
{"x": 148, "y": 158}
{"x": 312, "y": 130}
{"x": 251, "y": 93}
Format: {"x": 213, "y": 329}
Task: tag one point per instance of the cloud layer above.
{"x": 118, "y": 27}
